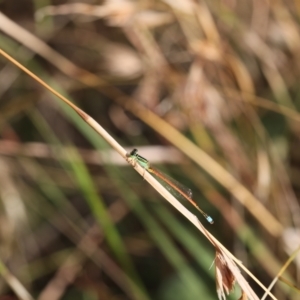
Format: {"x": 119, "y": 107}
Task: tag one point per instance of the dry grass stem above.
{"x": 241, "y": 193}
{"x": 213, "y": 83}
{"x": 282, "y": 270}
{"x": 14, "y": 283}
{"x": 223, "y": 283}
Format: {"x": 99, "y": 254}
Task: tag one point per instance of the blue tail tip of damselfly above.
{"x": 210, "y": 220}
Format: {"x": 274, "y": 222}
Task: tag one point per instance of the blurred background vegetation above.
{"x": 77, "y": 222}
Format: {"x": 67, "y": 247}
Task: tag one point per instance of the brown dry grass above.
{"x": 218, "y": 80}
